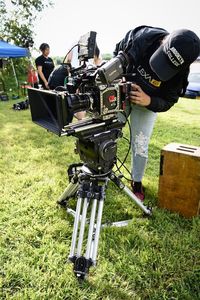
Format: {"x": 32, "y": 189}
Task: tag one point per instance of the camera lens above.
{"x": 78, "y": 102}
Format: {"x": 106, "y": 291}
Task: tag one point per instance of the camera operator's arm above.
{"x": 154, "y": 103}
{"x": 39, "y": 68}
{"x": 159, "y": 104}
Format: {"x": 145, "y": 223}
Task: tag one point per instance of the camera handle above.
{"x": 90, "y": 191}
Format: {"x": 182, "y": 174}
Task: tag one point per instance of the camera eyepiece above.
{"x": 113, "y": 68}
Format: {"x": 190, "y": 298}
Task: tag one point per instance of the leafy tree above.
{"x": 2, "y": 15}
{"x": 17, "y": 18}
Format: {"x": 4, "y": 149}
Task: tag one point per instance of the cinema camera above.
{"x": 99, "y": 92}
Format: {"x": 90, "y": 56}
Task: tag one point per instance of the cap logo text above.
{"x": 175, "y": 57}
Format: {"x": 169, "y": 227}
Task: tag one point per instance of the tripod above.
{"x": 89, "y": 182}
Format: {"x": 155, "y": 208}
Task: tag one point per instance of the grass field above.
{"x": 153, "y": 258}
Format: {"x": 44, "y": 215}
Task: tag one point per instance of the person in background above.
{"x": 58, "y": 77}
{"x": 45, "y": 65}
{"x": 32, "y": 77}
{"x": 96, "y": 60}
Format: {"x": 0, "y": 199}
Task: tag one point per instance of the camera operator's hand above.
{"x": 139, "y": 97}
{"x": 47, "y": 86}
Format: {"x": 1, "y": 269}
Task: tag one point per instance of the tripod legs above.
{"x": 90, "y": 191}
{"x": 128, "y": 192}
{"x": 82, "y": 227}
{"x": 89, "y": 249}
{"x": 97, "y": 232}
{"x": 73, "y": 173}
{"x": 91, "y": 194}
{"x": 76, "y": 224}
{"x": 69, "y": 192}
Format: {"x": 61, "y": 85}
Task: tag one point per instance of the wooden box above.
{"x": 179, "y": 181}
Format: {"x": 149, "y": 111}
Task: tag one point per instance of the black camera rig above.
{"x": 99, "y": 92}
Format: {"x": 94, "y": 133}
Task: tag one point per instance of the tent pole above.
{"x": 14, "y": 72}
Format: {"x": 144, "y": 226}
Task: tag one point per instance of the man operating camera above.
{"x": 158, "y": 67}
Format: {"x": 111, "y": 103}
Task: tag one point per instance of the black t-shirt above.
{"x": 47, "y": 66}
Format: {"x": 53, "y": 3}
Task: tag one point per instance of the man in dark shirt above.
{"x": 44, "y": 65}
{"x": 158, "y": 67}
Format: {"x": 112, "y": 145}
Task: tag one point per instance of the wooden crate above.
{"x": 179, "y": 181}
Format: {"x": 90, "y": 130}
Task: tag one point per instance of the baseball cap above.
{"x": 178, "y": 51}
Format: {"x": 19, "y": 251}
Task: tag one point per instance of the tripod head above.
{"x": 96, "y": 143}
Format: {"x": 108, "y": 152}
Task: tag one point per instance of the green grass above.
{"x": 152, "y": 258}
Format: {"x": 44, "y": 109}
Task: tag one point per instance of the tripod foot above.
{"x": 62, "y": 202}
{"x": 150, "y": 211}
{"x": 81, "y": 266}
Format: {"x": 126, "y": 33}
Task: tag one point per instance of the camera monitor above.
{"x": 49, "y": 109}
{"x": 87, "y": 44}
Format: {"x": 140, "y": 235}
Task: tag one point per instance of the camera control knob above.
{"x": 107, "y": 150}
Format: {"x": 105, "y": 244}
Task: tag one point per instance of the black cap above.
{"x": 178, "y": 51}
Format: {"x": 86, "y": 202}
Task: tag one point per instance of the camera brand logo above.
{"x": 148, "y": 77}
{"x": 112, "y": 98}
{"x": 112, "y": 73}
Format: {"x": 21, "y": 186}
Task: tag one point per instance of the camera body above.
{"x": 54, "y": 110}
{"x": 100, "y": 100}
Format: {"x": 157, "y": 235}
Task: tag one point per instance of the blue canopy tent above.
{"x": 11, "y": 51}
